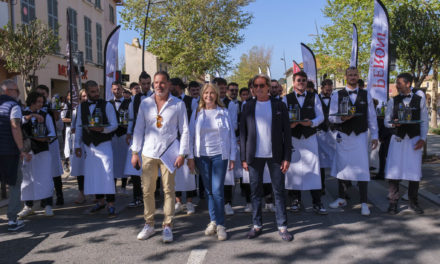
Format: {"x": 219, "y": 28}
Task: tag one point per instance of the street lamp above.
{"x": 145, "y": 30}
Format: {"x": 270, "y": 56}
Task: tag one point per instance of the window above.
{"x": 88, "y": 38}
{"x": 73, "y": 29}
{"x": 52, "y": 11}
{"x": 98, "y": 4}
{"x": 99, "y": 43}
{"x": 112, "y": 14}
{"x": 27, "y": 11}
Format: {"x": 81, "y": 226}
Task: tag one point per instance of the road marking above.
{"x": 197, "y": 256}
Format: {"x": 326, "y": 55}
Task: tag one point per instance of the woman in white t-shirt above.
{"x": 212, "y": 144}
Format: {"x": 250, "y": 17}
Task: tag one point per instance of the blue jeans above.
{"x": 213, "y": 171}
{"x": 256, "y": 170}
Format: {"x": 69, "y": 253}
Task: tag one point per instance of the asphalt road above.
{"x": 343, "y": 236}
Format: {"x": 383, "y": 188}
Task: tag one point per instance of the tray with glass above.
{"x": 404, "y": 116}
{"x": 406, "y": 122}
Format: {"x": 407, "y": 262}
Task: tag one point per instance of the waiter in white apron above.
{"x": 351, "y": 161}
{"x": 303, "y": 173}
{"x": 98, "y": 154}
{"x": 404, "y": 160}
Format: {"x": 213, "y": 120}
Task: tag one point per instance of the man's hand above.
{"x": 345, "y": 118}
{"x": 179, "y": 161}
{"x": 293, "y": 125}
{"x": 284, "y": 166}
{"x": 374, "y": 143}
{"x": 306, "y": 123}
{"x": 128, "y": 139}
{"x": 191, "y": 165}
{"x": 231, "y": 164}
{"x": 396, "y": 125}
{"x": 25, "y": 156}
{"x": 78, "y": 152}
{"x": 96, "y": 129}
{"x": 420, "y": 143}
{"x": 135, "y": 161}
{"x": 245, "y": 165}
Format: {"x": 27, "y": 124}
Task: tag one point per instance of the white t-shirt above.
{"x": 263, "y": 122}
{"x": 210, "y": 144}
{"x": 16, "y": 112}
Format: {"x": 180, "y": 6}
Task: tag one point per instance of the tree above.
{"x": 334, "y": 43}
{"x": 194, "y": 36}
{"x": 249, "y": 63}
{"x": 434, "y": 95}
{"x": 25, "y": 48}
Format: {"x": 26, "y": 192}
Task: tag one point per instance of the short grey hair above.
{"x": 7, "y": 84}
{"x": 264, "y": 76}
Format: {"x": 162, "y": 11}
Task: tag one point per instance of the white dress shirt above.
{"x": 423, "y": 115}
{"x": 111, "y": 117}
{"x": 372, "y": 118}
{"x": 156, "y": 140}
{"x": 319, "y": 115}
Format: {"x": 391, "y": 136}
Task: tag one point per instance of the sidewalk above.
{"x": 431, "y": 169}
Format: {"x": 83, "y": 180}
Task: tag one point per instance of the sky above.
{"x": 278, "y": 24}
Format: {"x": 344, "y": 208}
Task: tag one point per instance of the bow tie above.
{"x": 352, "y": 92}
{"x": 92, "y": 102}
{"x": 326, "y": 97}
{"x": 117, "y": 100}
{"x": 299, "y": 95}
{"x": 406, "y": 96}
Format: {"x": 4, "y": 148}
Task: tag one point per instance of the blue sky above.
{"x": 280, "y": 24}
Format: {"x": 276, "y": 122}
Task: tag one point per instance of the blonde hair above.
{"x": 205, "y": 87}
{"x": 81, "y": 92}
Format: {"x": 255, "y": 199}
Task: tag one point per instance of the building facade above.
{"x": 91, "y": 21}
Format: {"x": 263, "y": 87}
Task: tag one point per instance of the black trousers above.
{"x": 44, "y": 202}
{"x": 323, "y": 179}
{"x": 245, "y": 190}
{"x": 123, "y": 182}
{"x": 383, "y": 153}
{"x": 228, "y": 194}
{"x": 393, "y": 191}
{"x": 80, "y": 180}
{"x": 296, "y": 195}
{"x": 58, "y": 183}
{"x": 343, "y": 185}
{"x": 110, "y": 198}
{"x": 137, "y": 187}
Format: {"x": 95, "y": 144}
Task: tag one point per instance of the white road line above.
{"x": 197, "y": 256}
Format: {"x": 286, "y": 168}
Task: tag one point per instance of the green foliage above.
{"x": 194, "y": 36}
{"x": 25, "y": 48}
{"x": 435, "y": 131}
{"x": 249, "y": 63}
{"x": 333, "y": 44}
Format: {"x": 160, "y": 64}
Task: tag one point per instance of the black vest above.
{"x": 237, "y": 131}
{"x": 36, "y": 146}
{"x": 307, "y": 111}
{"x": 89, "y": 136}
{"x": 121, "y": 130}
{"x": 411, "y": 130}
{"x": 357, "y": 124}
{"x": 226, "y": 101}
{"x": 325, "y": 126}
{"x": 136, "y": 103}
{"x": 188, "y": 103}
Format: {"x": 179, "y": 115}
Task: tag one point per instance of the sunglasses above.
{"x": 159, "y": 121}
{"x": 259, "y": 85}
{"x": 301, "y": 80}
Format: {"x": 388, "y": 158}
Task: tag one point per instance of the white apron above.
{"x": 76, "y": 164}
{"x": 57, "y": 167}
{"x": 304, "y": 172}
{"x": 185, "y": 181}
{"x": 128, "y": 168}
{"x": 373, "y": 154}
{"x": 266, "y": 175}
{"x": 37, "y": 181}
{"x": 351, "y": 157}
{"x": 68, "y": 142}
{"x": 98, "y": 169}
{"x": 120, "y": 149}
{"x": 403, "y": 162}
{"x": 326, "y": 148}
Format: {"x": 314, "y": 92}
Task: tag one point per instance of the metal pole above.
{"x": 145, "y": 33}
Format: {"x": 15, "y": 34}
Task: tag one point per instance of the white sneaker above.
{"x": 405, "y": 197}
{"x": 27, "y": 211}
{"x": 270, "y": 207}
{"x": 221, "y": 233}
{"x": 146, "y": 232}
{"x": 228, "y": 209}
{"x": 211, "y": 229}
{"x": 248, "y": 208}
{"x": 178, "y": 207}
{"x": 190, "y": 208}
{"x": 48, "y": 210}
{"x": 338, "y": 203}
{"x": 365, "y": 210}
{"x": 167, "y": 235}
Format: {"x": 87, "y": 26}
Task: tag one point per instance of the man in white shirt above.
{"x": 160, "y": 119}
